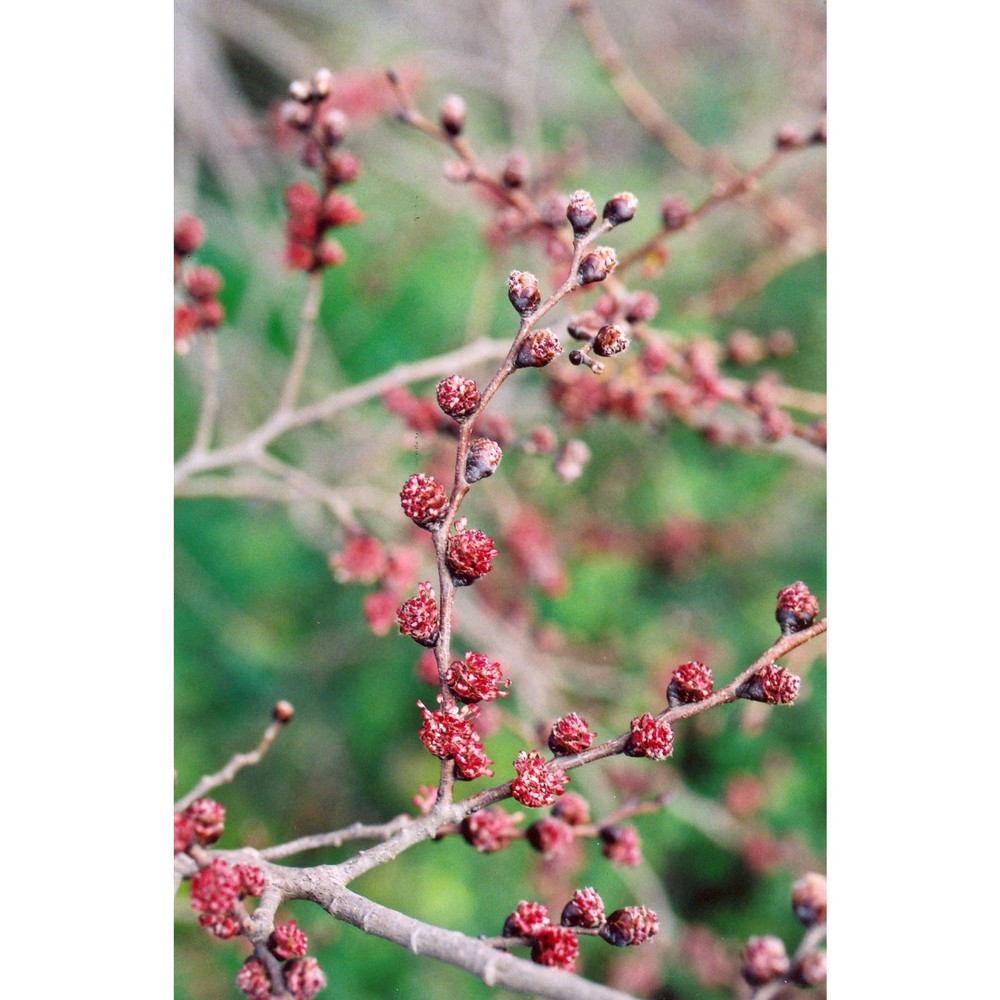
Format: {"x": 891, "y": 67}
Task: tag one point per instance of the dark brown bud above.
{"x": 522, "y": 290}
{"x": 537, "y": 350}
{"x": 283, "y": 711}
{"x": 610, "y": 340}
{"x": 578, "y": 330}
{"x": 620, "y": 208}
{"x": 597, "y": 265}
{"x": 452, "y": 114}
{"x": 581, "y": 212}
{"x": 675, "y": 212}
{"x": 482, "y": 461}
{"x": 515, "y": 170}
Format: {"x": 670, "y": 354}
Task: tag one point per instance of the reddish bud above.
{"x": 482, "y": 460}
{"x": 330, "y": 254}
{"x": 572, "y": 459}
{"x": 610, "y": 340}
{"x": 469, "y": 555}
{"x": 537, "y": 350}
{"x": 379, "y": 610}
{"x": 585, "y": 909}
{"x": 572, "y": 809}
{"x": 251, "y": 880}
{"x": 332, "y": 127}
{"x": 299, "y": 90}
{"x": 457, "y": 396}
{"x": 522, "y": 290}
{"x": 620, "y": 845}
{"x": 788, "y": 137}
{"x": 774, "y": 424}
{"x": 183, "y": 832}
{"x": 570, "y": 735}
{"x": 764, "y": 959}
{"x": 340, "y": 210}
{"x": 597, "y": 265}
{"x": 515, "y": 170}
{"x": 304, "y": 978}
{"x": 743, "y": 348}
{"x": 690, "y": 682}
{"x": 215, "y": 889}
{"x": 423, "y": 499}
{"x": 283, "y": 712}
{"x": 322, "y": 82}
{"x": 810, "y": 970}
{"x": 641, "y": 307}
{"x": 527, "y": 920}
{"x": 476, "y": 679}
{"x": 207, "y": 816}
{"x": 675, "y": 212}
{"x": 418, "y": 617}
{"x": 361, "y": 560}
{"x": 809, "y": 899}
{"x": 287, "y": 941}
{"x": 301, "y": 199}
{"x": 550, "y": 836}
{"x": 630, "y": 926}
{"x": 189, "y": 234}
{"x": 252, "y": 979}
{"x": 555, "y": 946}
{"x": 772, "y": 684}
{"x": 342, "y": 168}
{"x": 797, "y": 608}
{"x": 489, "y": 830}
{"x": 650, "y": 737}
{"x": 210, "y": 314}
{"x": 471, "y": 761}
{"x": 452, "y": 114}
{"x": 535, "y": 785}
{"x": 621, "y": 208}
{"x": 780, "y": 343}
{"x": 581, "y": 212}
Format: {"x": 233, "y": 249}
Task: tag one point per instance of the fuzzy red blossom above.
{"x": 215, "y": 889}
{"x": 535, "y": 785}
{"x": 252, "y": 979}
{"x": 457, "y": 396}
{"x": 691, "y": 682}
{"x": 570, "y": 735}
{"x": 489, "y": 830}
{"x": 208, "y": 817}
{"x": 631, "y": 925}
{"x": 650, "y": 737}
{"x": 362, "y": 560}
{"x": 183, "y": 832}
{"x": 304, "y": 978}
{"x": 469, "y": 555}
{"x": 585, "y": 909}
{"x": 221, "y": 927}
{"x": 557, "y": 947}
{"x": 379, "y": 610}
{"x": 609, "y": 341}
{"x": 620, "y": 845}
{"x": 340, "y": 210}
{"x": 288, "y": 941}
{"x": 527, "y": 920}
{"x": 797, "y": 608}
{"x": 641, "y": 307}
{"x": 482, "y": 460}
{"x": 476, "y": 679}
{"x": 444, "y": 731}
{"x": 764, "y": 959}
{"x": 418, "y": 617}
{"x": 772, "y": 684}
{"x": 423, "y": 499}
{"x": 186, "y": 321}
{"x": 420, "y": 415}
{"x": 251, "y": 880}
{"x": 425, "y": 798}
{"x": 809, "y": 899}
{"x": 550, "y": 836}
{"x": 810, "y": 970}
{"x": 189, "y": 234}
{"x": 471, "y": 761}
{"x": 572, "y": 809}
{"x": 202, "y": 283}
{"x": 774, "y": 424}
{"x": 538, "y": 349}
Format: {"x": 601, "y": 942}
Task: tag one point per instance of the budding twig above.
{"x": 356, "y": 831}
{"x": 303, "y": 343}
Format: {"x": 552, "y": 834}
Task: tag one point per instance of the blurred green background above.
{"x": 258, "y": 614}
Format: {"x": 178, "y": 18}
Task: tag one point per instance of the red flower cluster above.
{"x": 570, "y": 735}
{"x": 538, "y": 349}
{"x": 202, "y": 821}
{"x": 469, "y": 555}
{"x": 489, "y": 830}
{"x": 418, "y": 617}
{"x": 216, "y": 889}
{"x": 201, "y": 309}
{"x": 585, "y": 909}
{"x": 650, "y": 737}
{"x": 764, "y": 959}
{"x": 476, "y": 679}
{"x": 551, "y": 836}
{"x": 630, "y": 926}
{"x": 527, "y": 920}
{"x": 288, "y": 941}
{"x": 797, "y": 608}
{"x": 809, "y": 899}
{"x": 457, "y": 396}
{"x": 450, "y": 735}
{"x": 620, "y": 845}
{"x": 535, "y": 785}
{"x": 772, "y": 684}
{"x": 304, "y": 978}
{"x": 555, "y": 946}
{"x": 691, "y": 682}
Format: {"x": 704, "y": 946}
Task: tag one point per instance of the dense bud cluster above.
{"x": 535, "y": 785}
{"x": 585, "y": 909}
{"x": 597, "y": 265}
{"x": 469, "y": 555}
{"x": 252, "y": 979}
{"x": 489, "y": 830}
{"x": 631, "y": 925}
{"x": 550, "y": 836}
{"x": 288, "y": 941}
{"x": 581, "y": 212}
{"x": 621, "y": 208}
{"x": 418, "y": 617}
{"x": 809, "y": 899}
{"x": 764, "y": 959}
{"x": 449, "y": 734}
{"x": 304, "y": 978}
{"x": 476, "y": 678}
{"x": 691, "y": 682}
{"x": 183, "y": 832}
{"x": 620, "y": 845}
{"x": 457, "y": 396}
{"x": 527, "y": 919}
{"x": 216, "y": 889}
{"x": 650, "y": 737}
{"x": 609, "y": 341}
{"x": 538, "y": 349}
{"x": 797, "y": 608}
{"x": 207, "y": 818}
{"x": 772, "y": 684}
{"x": 570, "y": 735}
{"x": 201, "y": 309}
{"x": 423, "y": 499}
{"x": 555, "y": 946}
{"x": 522, "y": 290}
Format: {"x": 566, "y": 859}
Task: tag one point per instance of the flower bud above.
{"x": 522, "y": 290}
{"x": 342, "y": 168}
{"x": 585, "y": 909}
{"x": 322, "y": 82}
{"x": 189, "y": 234}
{"x": 630, "y": 926}
{"x": 797, "y": 608}
{"x": 773, "y": 685}
{"x": 452, "y": 115}
{"x": 482, "y": 461}
{"x": 332, "y": 127}
{"x": 809, "y": 899}
{"x": 300, "y": 90}
{"x": 764, "y": 959}
{"x": 581, "y": 212}
{"x": 515, "y": 170}
{"x": 597, "y": 265}
{"x": 810, "y": 970}
{"x": 537, "y": 350}
{"x": 675, "y": 212}
{"x": 283, "y": 712}
{"x": 621, "y": 208}
{"x": 788, "y": 137}
{"x": 610, "y": 340}
{"x": 457, "y": 396}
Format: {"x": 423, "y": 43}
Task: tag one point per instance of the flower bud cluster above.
{"x": 691, "y": 682}
{"x": 448, "y": 734}
{"x": 570, "y": 735}
{"x": 476, "y": 679}
{"x": 202, "y": 823}
{"x": 536, "y": 785}
{"x": 215, "y": 891}
{"x": 650, "y": 737}
{"x": 489, "y": 830}
{"x": 199, "y": 286}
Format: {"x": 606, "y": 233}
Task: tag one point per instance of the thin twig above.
{"x": 356, "y": 831}
{"x": 236, "y": 764}
{"x": 209, "y": 393}
{"x": 303, "y": 343}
